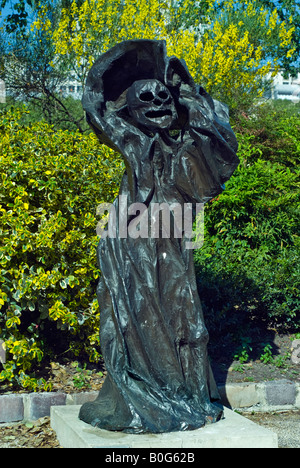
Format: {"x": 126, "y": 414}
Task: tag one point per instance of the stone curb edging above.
{"x": 276, "y": 395}
{"x": 32, "y": 406}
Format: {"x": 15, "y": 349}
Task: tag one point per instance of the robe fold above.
{"x": 152, "y": 331}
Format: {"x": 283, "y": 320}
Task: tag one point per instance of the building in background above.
{"x": 285, "y": 88}
{"x": 281, "y": 88}
{"x": 71, "y": 87}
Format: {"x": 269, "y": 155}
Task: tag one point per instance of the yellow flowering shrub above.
{"x": 230, "y": 54}
{"x": 242, "y": 46}
{"x": 51, "y": 185}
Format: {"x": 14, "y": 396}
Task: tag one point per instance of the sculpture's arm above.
{"x": 115, "y": 132}
{"x": 208, "y": 157}
{"x": 205, "y": 115}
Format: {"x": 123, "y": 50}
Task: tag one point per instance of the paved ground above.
{"x": 286, "y": 425}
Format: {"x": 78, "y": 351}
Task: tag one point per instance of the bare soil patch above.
{"x": 258, "y": 359}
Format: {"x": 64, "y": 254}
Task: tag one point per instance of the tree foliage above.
{"x": 230, "y": 49}
{"x": 289, "y": 10}
{"x": 27, "y": 68}
{"x": 17, "y": 19}
{"x": 244, "y": 47}
{"x": 51, "y": 185}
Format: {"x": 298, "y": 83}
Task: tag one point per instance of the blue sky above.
{"x": 5, "y": 11}
{"x": 9, "y": 9}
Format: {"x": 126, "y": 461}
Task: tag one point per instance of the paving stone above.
{"x": 81, "y": 398}
{"x": 38, "y": 404}
{"x": 11, "y": 408}
{"x": 280, "y": 392}
{"x": 241, "y": 395}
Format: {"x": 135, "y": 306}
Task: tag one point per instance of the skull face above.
{"x": 151, "y": 104}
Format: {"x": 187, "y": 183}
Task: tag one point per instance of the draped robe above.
{"x": 152, "y": 331}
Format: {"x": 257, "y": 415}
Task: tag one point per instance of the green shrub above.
{"x": 274, "y": 131}
{"x": 248, "y": 267}
{"x": 55, "y": 113}
{"x": 51, "y": 184}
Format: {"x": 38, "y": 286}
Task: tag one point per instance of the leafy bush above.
{"x": 51, "y": 184}
{"x": 274, "y": 131}
{"x": 55, "y": 114}
{"x": 248, "y": 267}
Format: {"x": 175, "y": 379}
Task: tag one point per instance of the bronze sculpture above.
{"x": 178, "y": 147}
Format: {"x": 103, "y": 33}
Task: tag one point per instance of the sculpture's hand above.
{"x": 177, "y": 74}
{"x": 200, "y": 111}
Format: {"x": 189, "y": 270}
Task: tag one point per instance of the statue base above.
{"x": 234, "y": 431}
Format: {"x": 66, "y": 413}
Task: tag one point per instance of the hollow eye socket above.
{"x": 147, "y": 96}
{"x": 163, "y": 95}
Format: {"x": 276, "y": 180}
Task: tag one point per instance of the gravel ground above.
{"x": 285, "y": 424}
{"x": 39, "y": 434}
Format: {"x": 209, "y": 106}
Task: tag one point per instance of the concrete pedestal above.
{"x": 234, "y": 431}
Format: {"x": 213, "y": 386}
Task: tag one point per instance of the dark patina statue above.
{"x": 178, "y": 147}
